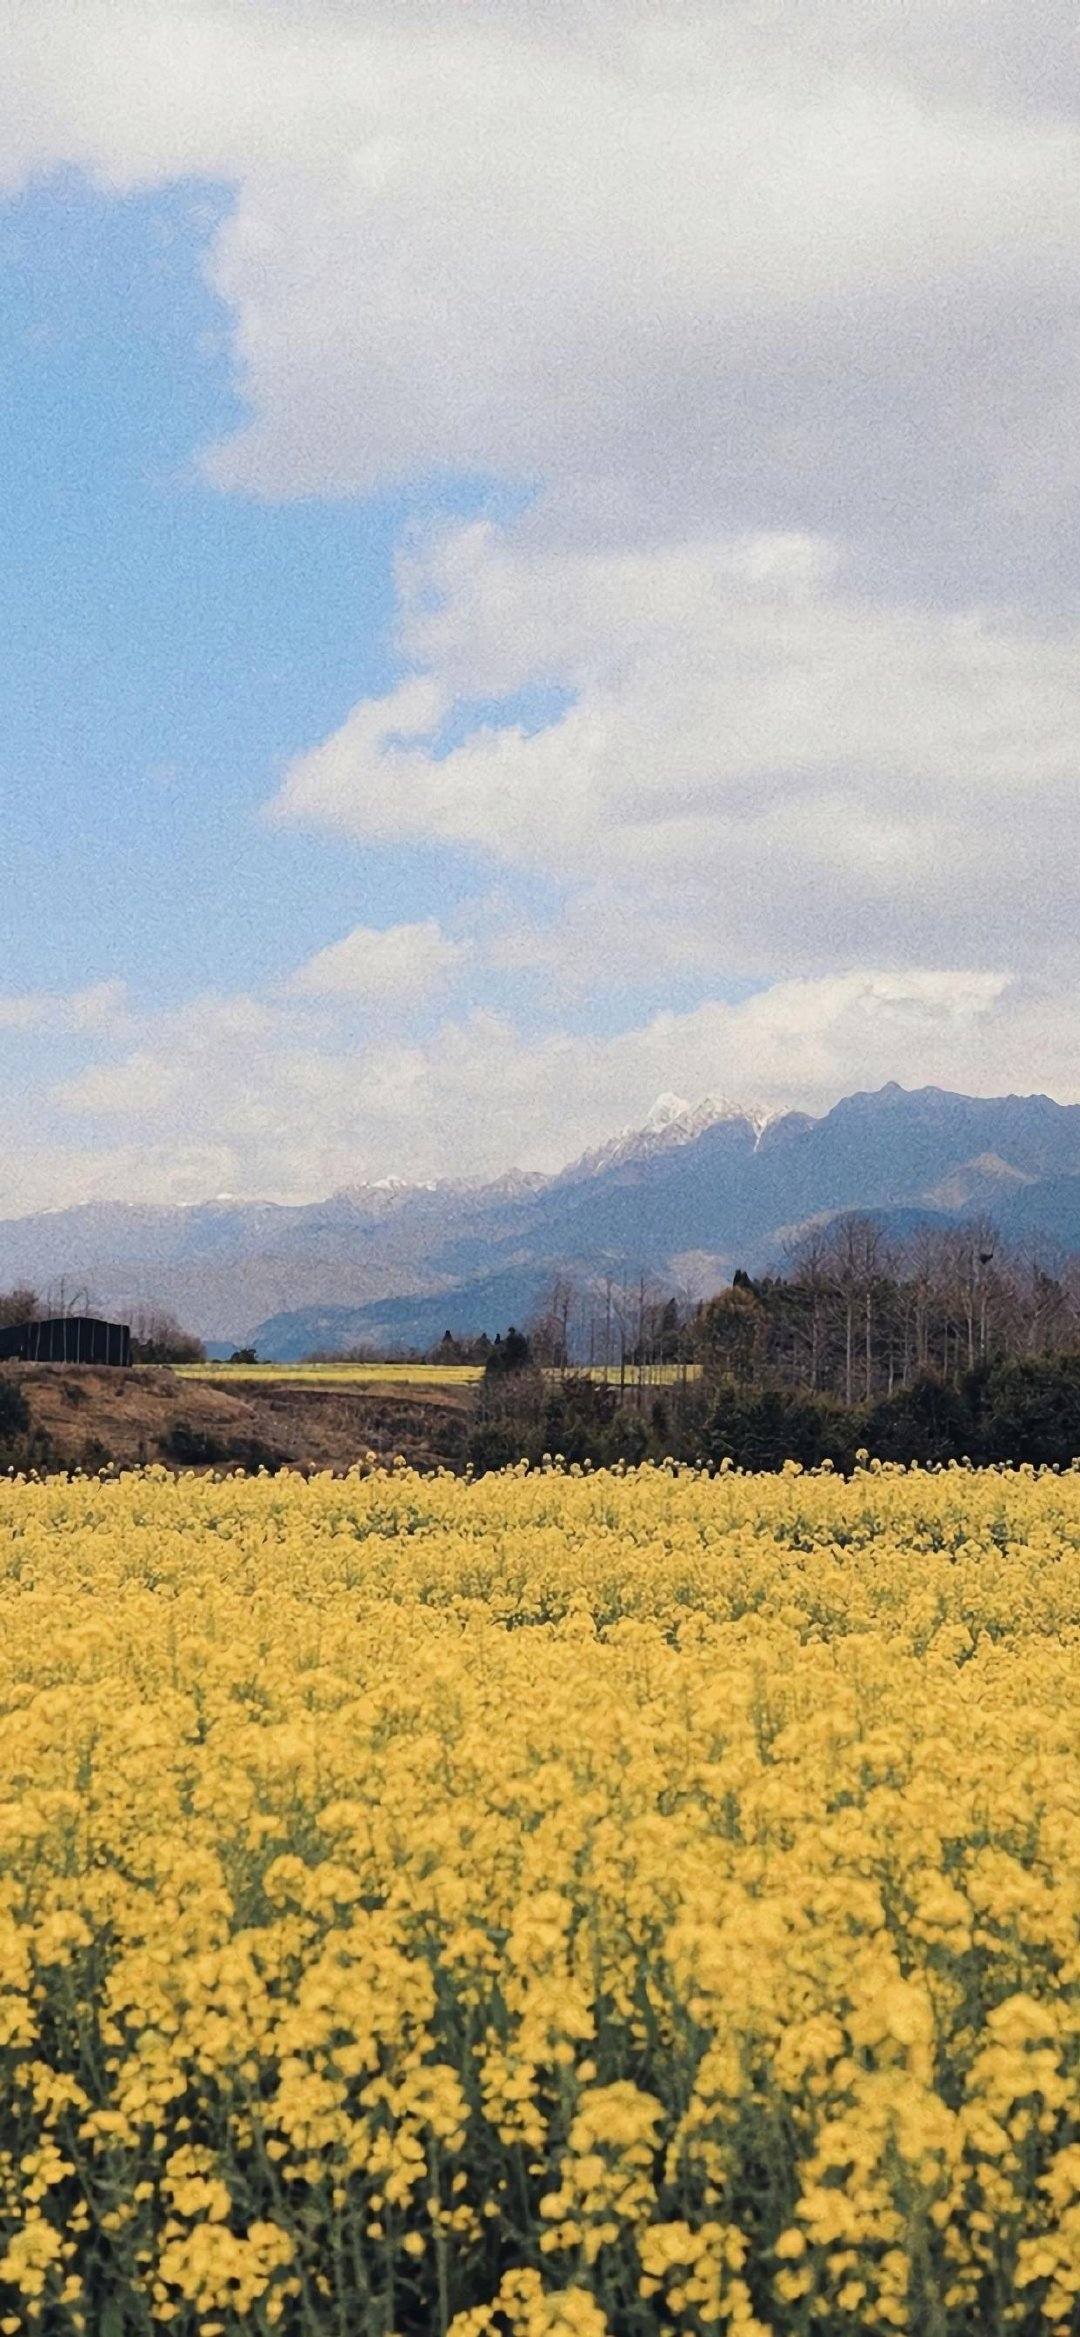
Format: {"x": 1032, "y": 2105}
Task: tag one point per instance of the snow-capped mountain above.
{"x": 714, "y": 1181}
{"x": 672, "y": 1121}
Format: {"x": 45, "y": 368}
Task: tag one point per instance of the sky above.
{"x": 538, "y": 566}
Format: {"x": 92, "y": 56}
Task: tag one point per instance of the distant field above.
{"x": 453, "y": 1375}
{"x": 650, "y": 1375}
{"x": 322, "y": 1375}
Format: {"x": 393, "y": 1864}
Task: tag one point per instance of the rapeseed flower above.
{"x": 556, "y": 1906}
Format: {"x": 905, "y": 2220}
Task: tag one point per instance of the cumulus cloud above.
{"x": 394, "y": 967}
{"x": 728, "y": 264}
{"x": 100, "y": 1008}
{"x": 229, "y": 1095}
{"x": 766, "y": 318}
{"x": 752, "y": 758}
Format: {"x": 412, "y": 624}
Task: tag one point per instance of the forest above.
{"x": 948, "y": 1346}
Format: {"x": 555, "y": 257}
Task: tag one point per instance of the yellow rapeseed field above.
{"x": 331, "y": 1375}
{"x": 421, "y": 1375}
{"x": 558, "y": 1904}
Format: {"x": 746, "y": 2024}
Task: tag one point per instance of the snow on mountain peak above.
{"x": 684, "y": 1121}
{"x": 667, "y": 1108}
{"x": 670, "y": 1122}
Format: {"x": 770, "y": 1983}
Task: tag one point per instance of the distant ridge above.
{"x": 711, "y": 1182}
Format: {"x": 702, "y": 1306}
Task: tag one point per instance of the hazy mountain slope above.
{"x": 223, "y": 1266}
{"x": 1048, "y": 1212}
{"x": 704, "y": 1179}
{"x": 733, "y": 1188}
{"x": 897, "y": 1141}
{"x": 487, "y": 1303}
{"x": 739, "y": 1193}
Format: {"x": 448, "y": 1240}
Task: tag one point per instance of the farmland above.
{"x": 329, "y": 1375}
{"x": 433, "y": 1375}
{"x": 627, "y": 1902}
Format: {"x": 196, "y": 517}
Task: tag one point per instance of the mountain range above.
{"x": 695, "y": 1191}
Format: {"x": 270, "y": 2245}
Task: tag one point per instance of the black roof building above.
{"x": 66, "y": 1339}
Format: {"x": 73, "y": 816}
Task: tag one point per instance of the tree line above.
{"x": 945, "y": 1347}
{"x": 949, "y": 1345}
{"x": 850, "y": 1312}
{"x": 1013, "y": 1410}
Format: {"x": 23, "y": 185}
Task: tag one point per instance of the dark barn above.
{"x": 66, "y": 1339}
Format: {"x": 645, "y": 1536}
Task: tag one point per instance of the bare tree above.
{"x": 810, "y": 1262}
{"x": 157, "y": 1337}
{"x": 19, "y": 1305}
{"x": 859, "y": 1258}
{"x": 549, "y": 1327}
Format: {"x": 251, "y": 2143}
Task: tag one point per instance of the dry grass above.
{"x": 89, "y": 1416}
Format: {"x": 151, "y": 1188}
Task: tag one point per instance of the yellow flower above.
{"x": 401, "y": 1875}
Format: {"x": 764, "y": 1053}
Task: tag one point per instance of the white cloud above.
{"x": 102, "y": 1007}
{"x": 394, "y": 967}
{"x": 737, "y": 284}
{"x": 709, "y": 266}
{"x": 757, "y": 765}
{"x": 159, "y": 1073}
{"x": 775, "y": 308}
{"x": 226, "y": 1097}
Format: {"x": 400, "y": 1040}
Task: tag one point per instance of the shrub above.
{"x": 928, "y": 1421}
{"x": 763, "y": 1428}
{"x": 22, "y": 1446}
{"x": 1028, "y": 1410}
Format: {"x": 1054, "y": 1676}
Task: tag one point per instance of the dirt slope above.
{"x": 90, "y": 1417}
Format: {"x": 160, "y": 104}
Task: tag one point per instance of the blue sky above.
{"x": 168, "y": 648}
{"x": 171, "y": 647}
{"x": 537, "y": 567}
